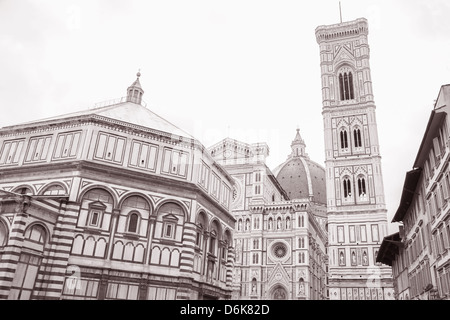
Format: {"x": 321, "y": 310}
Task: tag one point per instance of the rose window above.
{"x": 279, "y": 250}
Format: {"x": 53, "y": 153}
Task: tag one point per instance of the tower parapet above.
{"x": 342, "y": 30}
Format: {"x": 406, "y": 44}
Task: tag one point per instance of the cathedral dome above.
{"x": 301, "y": 177}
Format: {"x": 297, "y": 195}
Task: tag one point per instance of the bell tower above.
{"x": 356, "y": 210}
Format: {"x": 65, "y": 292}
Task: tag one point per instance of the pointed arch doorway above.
{"x": 279, "y": 293}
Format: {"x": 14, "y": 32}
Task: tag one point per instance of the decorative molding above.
{"x": 38, "y": 186}
{"x": 119, "y": 191}
{"x": 85, "y": 183}
{"x": 155, "y": 198}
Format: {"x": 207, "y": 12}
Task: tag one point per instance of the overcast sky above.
{"x": 245, "y": 69}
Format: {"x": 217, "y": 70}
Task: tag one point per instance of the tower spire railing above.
{"x": 115, "y": 101}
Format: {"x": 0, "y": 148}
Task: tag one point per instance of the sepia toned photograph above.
{"x": 238, "y": 151}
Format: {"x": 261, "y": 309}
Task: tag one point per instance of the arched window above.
{"x": 247, "y": 224}
{"x": 133, "y": 220}
{"x": 99, "y": 195}
{"x": 240, "y": 225}
{"x": 350, "y": 85}
{"x": 301, "y": 221}
{"x": 255, "y": 243}
{"x": 301, "y": 257}
{"x": 346, "y": 91}
{"x": 201, "y": 227}
{"x": 198, "y": 238}
{"x": 135, "y": 211}
{"x": 54, "y": 190}
{"x": 256, "y": 223}
{"x": 224, "y": 252}
{"x": 24, "y": 190}
{"x": 301, "y": 242}
{"x": 361, "y": 186}
{"x": 346, "y": 87}
{"x": 3, "y": 234}
{"x": 136, "y": 202}
{"x": 347, "y": 188}
{"x": 357, "y": 137}
{"x": 228, "y": 240}
{"x": 344, "y": 139}
{"x": 36, "y": 233}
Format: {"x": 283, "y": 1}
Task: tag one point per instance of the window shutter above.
{"x": 445, "y": 187}
{"x": 438, "y": 197}
{"x": 432, "y": 161}
{"x": 427, "y": 169}
{"x": 446, "y": 239}
{"x": 437, "y": 148}
{"x": 433, "y": 246}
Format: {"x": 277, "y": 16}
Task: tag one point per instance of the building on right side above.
{"x": 356, "y": 209}
{"x": 419, "y": 252}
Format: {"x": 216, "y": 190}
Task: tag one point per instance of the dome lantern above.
{"x": 135, "y": 92}
{"x": 298, "y": 146}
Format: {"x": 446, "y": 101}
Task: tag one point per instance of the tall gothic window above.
{"x": 346, "y": 86}
{"x": 347, "y": 188}
{"x": 357, "y": 137}
{"x": 361, "y": 186}
{"x": 344, "y": 139}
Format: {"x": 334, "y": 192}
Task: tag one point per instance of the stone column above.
{"x": 151, "y": 223}
{"x": 54, "y": 267}
{"x": 143, "y": 287}
{"x": 103, "y": 287}
{"x": 230, "y": 267}
{"x": 114, "y": 218}
{"x": 205, "y": 253}
{"x": 11, "y": 252}
{"x": 188, "y": 248}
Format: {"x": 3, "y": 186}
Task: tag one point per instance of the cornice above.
{"x": 349, "y": 29}
{"x": 354, "y": 108}
{"x": 109, "y": 173}
{"x": 104, "y": 122}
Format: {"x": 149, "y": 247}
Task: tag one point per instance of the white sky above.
{"x": 244, "y": 69}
